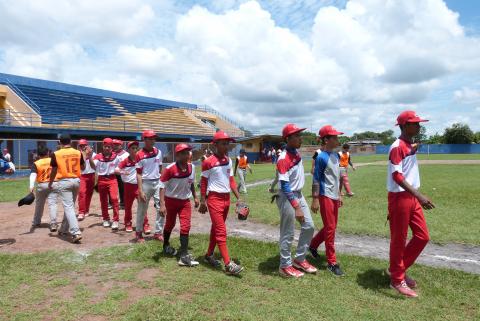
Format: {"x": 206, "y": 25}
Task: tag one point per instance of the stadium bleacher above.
{"x": 66, "y": 106}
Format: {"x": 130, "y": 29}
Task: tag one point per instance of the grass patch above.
{"x": 202, "y": 293}
{"x": 451, "y": 188}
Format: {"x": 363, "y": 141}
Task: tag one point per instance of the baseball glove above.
{"x": 242, "y": 211}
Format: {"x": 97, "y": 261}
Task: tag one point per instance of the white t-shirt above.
{"x": 106, "y": 165}
{"x": 218, "y": 172}
{"x": 402, "y": 158}
{"x": 128, "y": 171}
{"x": 88, "y": 169}
{"x": 148, "y": 163}
{"x": 177, "y": 183}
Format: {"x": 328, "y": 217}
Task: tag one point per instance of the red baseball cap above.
{"x": 181, "y": 147}
{"x": 117, "y": 142}
{"x": 291, "y": 129}
{"x": 409, "y": 116}
{"x": 221, "y": 135}
{"x": 107, "y": 141}
{"x": 82, "y": 142}
{"x": 130, "y": 144}
{"x": 148, "y": 134}
{"x": 328, "y": 130}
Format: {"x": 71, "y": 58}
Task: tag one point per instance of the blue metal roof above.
{"x": 20, "y": 80}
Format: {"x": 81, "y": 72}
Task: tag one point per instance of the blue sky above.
{"x": 353, "y": 64}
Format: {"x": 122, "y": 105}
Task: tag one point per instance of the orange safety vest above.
{"x": 242, "y": 162}
{"x": 43, "y": 169}
{"x": 344, "y": 157}
{"x": 68, "y": 163}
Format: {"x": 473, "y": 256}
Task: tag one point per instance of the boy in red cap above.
{"x": 127, "y": 170}
{"x": 326, "y": 196}
{"x": 217, "y": 180}
{"x": 405, "y": 204}
{"x": 121, "y": 154}
{"x": 292, "y": 206}
{"x": 149, "y": 166}
{"x": 87, "y": 181}
{"x": 105, "y": 164}
{"x": 177, "y": 186}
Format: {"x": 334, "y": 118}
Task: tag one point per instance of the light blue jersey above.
{"x": 327, "y": 174}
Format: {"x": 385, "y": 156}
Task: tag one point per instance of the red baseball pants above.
{"x": 182, "y": 208}
{"x": 218, "y": 205}
{"x": 329, "y": 212}
{"x": 87, "y": 184}
{"x": 108, "y": 189}
{"x": 404, "y": 210}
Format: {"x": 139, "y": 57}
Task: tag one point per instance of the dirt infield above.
{"x": 17, "y": 237}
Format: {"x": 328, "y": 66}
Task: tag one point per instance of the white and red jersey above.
{"x": 88, "y": 169}
{"x": 178, "y": 183}
{"x": 128, "y": 171}
{"x": 148, "y": 163}
{"x": 290, "y": 169}
{"x": 402, "y": 158}
{"x": 122, "y": 154}
{"x": 218, "y": 171}
{"x": 105, "y": 165}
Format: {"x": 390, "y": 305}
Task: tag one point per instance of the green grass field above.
{"x": 137, "y": 283}
{"x": 451, "y": 188}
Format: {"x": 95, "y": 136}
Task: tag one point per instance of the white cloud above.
{"x": 356, "y": 67}
{"x": 467, "y": 95}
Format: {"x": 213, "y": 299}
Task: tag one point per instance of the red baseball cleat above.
{"x": 304, "y": 266}
{"x": 290, "y": 272}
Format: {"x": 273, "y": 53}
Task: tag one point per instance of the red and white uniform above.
{"x": 218, "y": 172}
{"x": 404, "y": 210}
{"x": 107, "y": 184}
{"x": 402, "y": 160}
{"x": 177, "y": 185}
{"x": 87, "y": 185}
{"x": 128, "y": 171}
{"x": 218, "y": 181}
{"x": 105, "y": 166}
{"x": 148, "y": 163}
{"x": 122, "y": 155}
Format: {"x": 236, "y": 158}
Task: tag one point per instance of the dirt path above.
{"x": 16, "y": 237}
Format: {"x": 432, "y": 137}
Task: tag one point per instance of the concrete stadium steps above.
{"x": 174, "y": 121}
{"x": 218, "y": 121}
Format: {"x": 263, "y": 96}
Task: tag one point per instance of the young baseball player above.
{"x": 67, "y": 164}
{"x": 326, "y": 196}
{"x": 292, "y": 206}
{"x": 40, "y": 175}
{"x": 87, "y": 181}
{"x": 149, "y": 167}
{"x": 405, "y": 204}
{"x": 6, "y": 167}
{"x": 241, "y": 163}
{"x": 127, "y": 170}
{"x": 345, "y": 160}
{"x": 217, "y": 181}
{"x": 176, "y": 189}
{"x": 105, "y": 164}
{"x": 121, "y": 154}
{"x": 315, "y": 155}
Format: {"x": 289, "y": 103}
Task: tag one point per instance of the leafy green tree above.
{"x": 458, "y": 134}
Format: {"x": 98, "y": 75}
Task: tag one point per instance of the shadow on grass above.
{"x": 376, "y": 280}
{"x": 270, "y": 266}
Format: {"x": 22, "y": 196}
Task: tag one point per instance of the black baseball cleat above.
{"x": 335, "y": 269}
{"x": 314, "y": 252}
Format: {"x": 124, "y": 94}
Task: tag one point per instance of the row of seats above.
{"x": 57, "y": 104}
